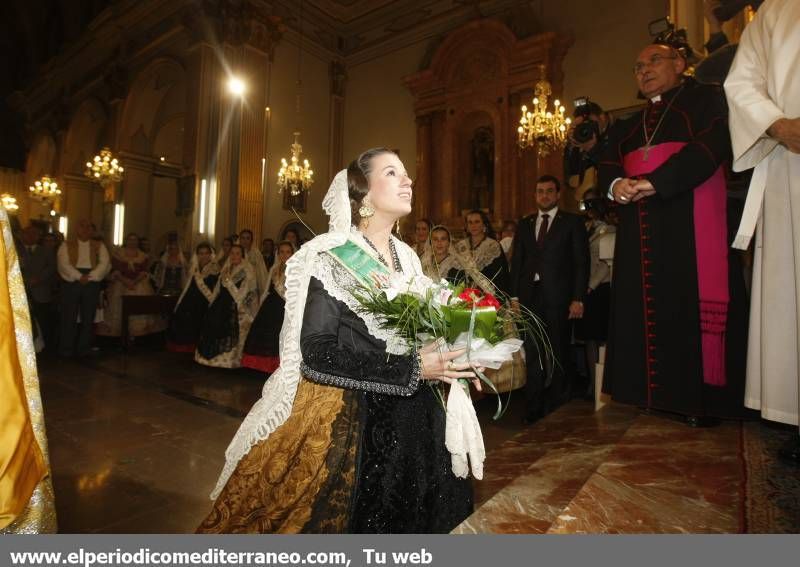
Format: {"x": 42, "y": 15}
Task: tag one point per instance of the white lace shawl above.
{"x": 459, "y": 261}
{"x": 484, "y": 254}
{"x": 277, "y": 396}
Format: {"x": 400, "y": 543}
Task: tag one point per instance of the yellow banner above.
{"x": 22, "y": 465}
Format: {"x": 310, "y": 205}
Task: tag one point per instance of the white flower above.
{"x": 441, "y": 295}
{"x": 401, "y": 283}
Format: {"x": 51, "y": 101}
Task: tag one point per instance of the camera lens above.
{"x": 584, "y": 131}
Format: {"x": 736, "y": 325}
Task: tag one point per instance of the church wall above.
{"x": 379, "y": 109}
{"x": 314, "y": 124}
{"x": 608, "y": 37}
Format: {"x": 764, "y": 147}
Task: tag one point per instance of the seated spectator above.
{"x": 129, "y": 276}
{"x": 171, "y": 272}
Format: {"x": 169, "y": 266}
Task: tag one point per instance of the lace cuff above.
{"x": 374, "y": 378}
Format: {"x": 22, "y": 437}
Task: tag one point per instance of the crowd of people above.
{"x": 76, "y": 287}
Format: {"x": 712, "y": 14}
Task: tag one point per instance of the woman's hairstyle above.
{"x": 286, "y": 243}
{"x": 203, "y": 246}
{"x": 487, "y": 225}
{"x": 442, "y": 228}
{"x": 132, "y": 234}
{"x": 427, "y": 222}
{"x": 228, "y": 239}
{"x": 240, "y": 247}
{"x": 357, "y": 183}
{"x": 248, "y": 231}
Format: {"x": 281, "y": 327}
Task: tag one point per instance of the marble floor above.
{"x": 136, "y": 442}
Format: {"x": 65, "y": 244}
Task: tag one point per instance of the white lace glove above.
{"x": 463, "y": 437}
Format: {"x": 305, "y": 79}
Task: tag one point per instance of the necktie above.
{"x": 542, "y": 229}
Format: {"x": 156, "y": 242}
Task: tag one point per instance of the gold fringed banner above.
{"x": 26, "y": 496}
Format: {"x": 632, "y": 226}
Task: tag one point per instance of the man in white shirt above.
{"x": 763, "y": 91}
{"x": 82, "y": 264}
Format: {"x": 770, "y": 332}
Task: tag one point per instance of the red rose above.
{"x": 470, "y": 294}
{"x": 489, "y": 301}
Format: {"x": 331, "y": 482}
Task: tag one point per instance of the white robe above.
{"x": 762, "y": 87}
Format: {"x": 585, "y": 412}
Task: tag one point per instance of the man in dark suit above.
{"x": 38, "y": 265}
{"x": 549, "y": 276}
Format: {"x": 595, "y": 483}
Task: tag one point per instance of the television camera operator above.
{"x": 586, "y": 141}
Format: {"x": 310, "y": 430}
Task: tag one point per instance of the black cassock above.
{"x": 655, "y": 354}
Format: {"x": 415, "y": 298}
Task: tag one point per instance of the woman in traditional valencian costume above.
{"x": 129, "y": 276}
{"x": 261, "y": 347}
{"x": 230, "y": 314}
{"x": 347, "y": 436}
{"x": 190, "y": 311}
{"x": 485, "y": 251}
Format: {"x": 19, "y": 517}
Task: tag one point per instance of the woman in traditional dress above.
{"x": 171, "y": 271}
{"x": 422, "y": 236}
{"x": 190, "y": 311}
{"x": 253, "y": 255}
{"x": 485, "y": 251}
{"x": 442, "y": 260}
{"x": 222, "y": 257}
{"x": 346, "y": 438}
{"x": 129, "y": 276}
{"x": 261, "y": 347}
{"x": 230, "y": 314}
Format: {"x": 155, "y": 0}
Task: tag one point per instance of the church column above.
{"x": 338, "y": 77}
{"x": 423, "y": 187}
{"x": 201, "y": 138}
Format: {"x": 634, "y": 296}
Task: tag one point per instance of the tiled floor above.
{"x": 137, "y": 441}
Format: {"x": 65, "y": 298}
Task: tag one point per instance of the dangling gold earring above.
{"x": 365, "y": 211}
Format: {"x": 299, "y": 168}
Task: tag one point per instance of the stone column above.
{"x": 338, "y": 77}
{"x": 423, "y": 186}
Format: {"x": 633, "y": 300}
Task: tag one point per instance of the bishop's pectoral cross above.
{"x": 646, "y": 151}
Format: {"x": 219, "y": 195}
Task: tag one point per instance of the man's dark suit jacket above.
{"x": 41, "y": 264}
{"x": 562, "y": 261}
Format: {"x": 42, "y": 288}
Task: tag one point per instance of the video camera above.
{"x": 663, "y": 32}
{"x": 587, "y": 129}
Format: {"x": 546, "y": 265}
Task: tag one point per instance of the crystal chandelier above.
{"x": 542, "y": 128}
{"x": 9, "y": 203}
{"x": 104, "y": 168}
{"x": 45, "y": 190}
{"x": 293, "y": 177}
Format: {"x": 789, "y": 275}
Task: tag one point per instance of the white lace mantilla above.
{"x": 484, "y": 254}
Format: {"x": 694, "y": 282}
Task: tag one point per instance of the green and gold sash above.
{"x": 358, "y": 263}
